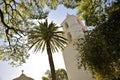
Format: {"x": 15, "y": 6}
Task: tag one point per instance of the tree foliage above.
{"x": 14, "y": 16}
{"x": 100, "y": 51}
{"x": 92, "y": 11}
{"x": 61, "y": 74}
{"x": 54, "y": 3}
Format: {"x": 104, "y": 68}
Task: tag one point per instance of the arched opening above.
{"x": 66, "y": 25}
{"x": 69, "y": 36}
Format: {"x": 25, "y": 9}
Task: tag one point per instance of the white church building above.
{"x": 74, "y": 29}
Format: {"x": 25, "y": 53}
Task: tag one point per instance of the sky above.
{"x": 37, "y": 64}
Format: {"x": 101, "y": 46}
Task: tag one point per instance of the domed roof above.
{"x": 23, "y": 77}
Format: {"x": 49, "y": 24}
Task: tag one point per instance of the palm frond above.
{"x": 38, "y": 36}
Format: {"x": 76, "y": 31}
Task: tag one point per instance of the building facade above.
{"x": 73, "y": 30}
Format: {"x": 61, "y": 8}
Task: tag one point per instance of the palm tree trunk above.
{"x": 51, "y": 63}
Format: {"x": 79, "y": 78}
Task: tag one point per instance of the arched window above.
{"x": 66, "y": 25}
{"x": 69, "y": 36}
{"x": 79, "y": 22}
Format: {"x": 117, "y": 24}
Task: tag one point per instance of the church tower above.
{"x": 73, "y": 29}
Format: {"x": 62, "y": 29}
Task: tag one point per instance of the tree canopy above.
{"x": 92, "y": 11}
{"x": 61, "y": 74}
{"x": 100, "y": 51}
{"x": 14, "y": 16}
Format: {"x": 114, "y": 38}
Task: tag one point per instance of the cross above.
{"x": 22, "y": 71}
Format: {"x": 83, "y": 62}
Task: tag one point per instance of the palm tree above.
{"x": 47, "y": 37}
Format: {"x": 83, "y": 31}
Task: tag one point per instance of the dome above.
{"x": 23, "y": 77}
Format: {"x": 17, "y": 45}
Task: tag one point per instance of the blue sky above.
{"x": 37, "y": 64}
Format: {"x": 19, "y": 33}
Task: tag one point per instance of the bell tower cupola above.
{"x": 73, "y": 28}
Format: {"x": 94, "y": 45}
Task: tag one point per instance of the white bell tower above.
{"x": 73, "y": 29}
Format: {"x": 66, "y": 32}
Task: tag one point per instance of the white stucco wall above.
{"x": 69, "y": 55}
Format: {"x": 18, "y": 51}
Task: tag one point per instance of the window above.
{"x": 66, "y": 25}
{"x": 79, "y": 22}
{"x": 69, "y": 37}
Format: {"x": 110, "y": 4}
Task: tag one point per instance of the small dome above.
{"x": 23, "y": 77}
